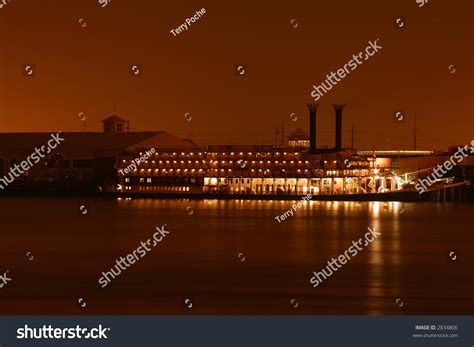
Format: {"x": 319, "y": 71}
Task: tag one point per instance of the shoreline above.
{"x": 401, "y": 196}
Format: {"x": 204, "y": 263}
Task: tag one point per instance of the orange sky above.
{"x": 83, "y": 69}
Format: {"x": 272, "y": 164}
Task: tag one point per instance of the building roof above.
{"x": 90, "y": 144}
{"x": 114, "y": 118}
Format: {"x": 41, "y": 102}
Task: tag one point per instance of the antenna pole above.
{"x": 282, "y": 135}
{"x": 415, "y": 130}
{"x": 352, "y": 137}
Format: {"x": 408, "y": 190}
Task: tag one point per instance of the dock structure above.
{"x": 456, "y": 192}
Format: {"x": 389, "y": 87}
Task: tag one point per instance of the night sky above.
{"x": 85, "y": 68}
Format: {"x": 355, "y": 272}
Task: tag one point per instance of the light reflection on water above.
{"x": 201, "y": 255}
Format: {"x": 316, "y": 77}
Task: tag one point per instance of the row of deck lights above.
{"x": 200, "y": 170}
{"x": 216, "y": 162}
{"x": 164, "y": 154}
{"x": 149, "y": 170}
{"x": 216, "y": 171}
{"x": 213, "y": 154}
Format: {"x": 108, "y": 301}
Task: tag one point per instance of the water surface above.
{"x": 233, "y": 257}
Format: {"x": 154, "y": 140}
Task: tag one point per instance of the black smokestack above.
{"x": 338, "y": 109}
{"x": 312, "y": 127}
